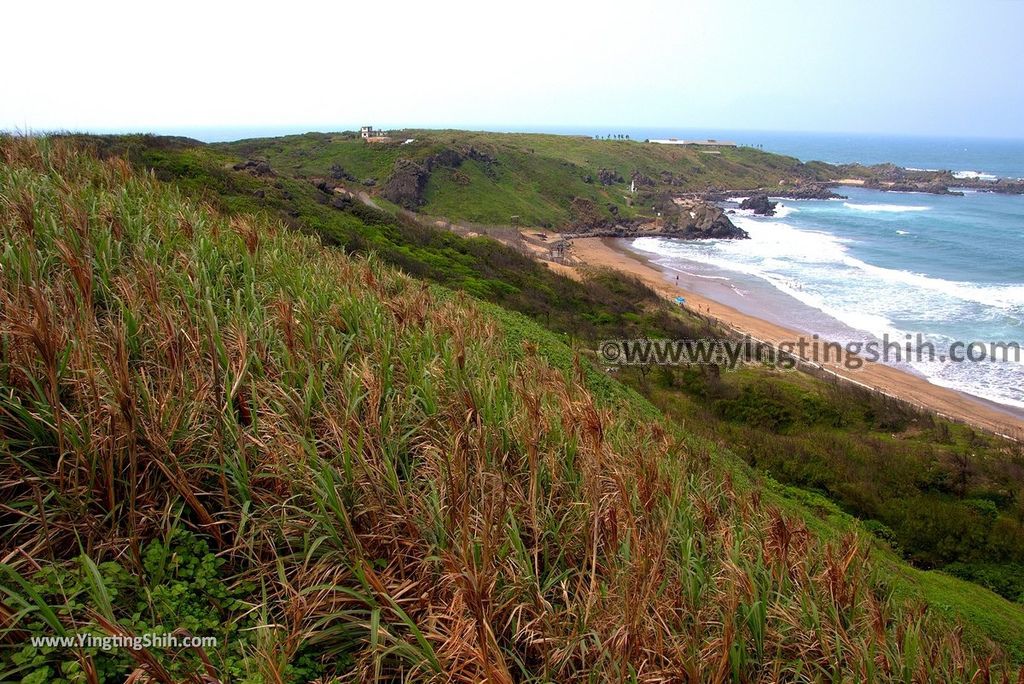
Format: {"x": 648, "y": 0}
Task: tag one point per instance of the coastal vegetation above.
{"x": 529, "y": 179}
{"x": 351, "y": 445}
{"x": 948, "y": 498}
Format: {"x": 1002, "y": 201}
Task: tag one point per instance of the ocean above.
{"x": 990, "y": 156}
{"x": 879, "y": 263}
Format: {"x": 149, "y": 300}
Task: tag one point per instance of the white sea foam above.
{"x": 775, "y": 246}
{"x": 694, "y": 275}
{"x": 975, "y": 175}
{"x": 887, "y": 208}
{"x": 817, "y": 269}
{"x": 986, "y": 380}
{"x": 782, "y": 211}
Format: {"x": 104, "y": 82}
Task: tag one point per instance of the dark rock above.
{"x": 689, "y": 220}
{"x": 339, "y": 173}
{"x": 669, "y": 178}
{"x": 700, "y": 220}
{"x": 369, "y": 182}
{"x": 477, "y": 155}
{"x": 341, "y": 202}
{"x": 804, "y": 191}
{"x": 586, "y": 215}
{"x": 256, "y": 167}
{"x": 447, "y": 157}
{"x": 406, "y": 184}
{"x": 759, "y": 204}
{"x": 609, "y": 177}
{"x": 259, "y": 194}
{"x": 642, "y": 179}
{"x": 588, "y": 178}
{"x": 934, "y": 188}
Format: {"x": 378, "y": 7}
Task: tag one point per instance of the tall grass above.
{"x": 388, "y": 489}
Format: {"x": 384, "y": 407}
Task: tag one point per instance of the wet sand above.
{"x": 612, "y": 253}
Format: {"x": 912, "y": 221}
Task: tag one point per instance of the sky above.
{"x": 930, "y": 68}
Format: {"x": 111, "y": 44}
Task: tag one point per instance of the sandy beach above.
{"x": 610, "y": 252}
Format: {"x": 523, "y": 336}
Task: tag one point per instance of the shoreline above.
{"x": 878, "y": 377}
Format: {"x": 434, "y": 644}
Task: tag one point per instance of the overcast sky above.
{"x": 932, "y": 67}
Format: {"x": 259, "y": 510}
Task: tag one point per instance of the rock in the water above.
{"x": 759, "y": 204}
{"x": 700, "y": 220}
{"x": 688, "y": 219}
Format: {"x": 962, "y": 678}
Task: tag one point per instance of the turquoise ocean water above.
{"x": 876, "y": 264}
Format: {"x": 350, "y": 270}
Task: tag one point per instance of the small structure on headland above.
{"x": 370, "y": 135}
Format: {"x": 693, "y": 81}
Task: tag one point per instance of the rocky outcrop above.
{"x": 323, "y": 185}
{"x": 669, "y": 178}
{"x": 932, "y": 188}
{"x": 817, "y": 191}
{"x": 701, "y": 220}
{"x": 342, "y": 202}
{"x": 693, "y": 220}
{"x": 794, "y": 192}
{"x": 480, "y": 156}
{"x": 609, "y": 177}
{"x": 256, "y": 167}
{"x": 339, "y": 173}
{"x": 587, "y": 216}
{"x": 447, "y": 157}
{"x": 406, "y": 184}
{"x": 642, "y": 180}
{"x": 759, "y": 204}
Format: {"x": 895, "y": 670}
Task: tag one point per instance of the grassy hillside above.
{"x": 941, "y": 494}
{"x": 526, "y": 178}
{"x": 214, "y": 423}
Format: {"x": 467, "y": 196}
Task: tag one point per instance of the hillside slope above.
{"x": 524, "y": 178}
{"x": 943, "y": 495}
{"x": 216, "y": 424}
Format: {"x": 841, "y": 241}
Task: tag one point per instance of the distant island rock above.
{"x": 759, "y": 204}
